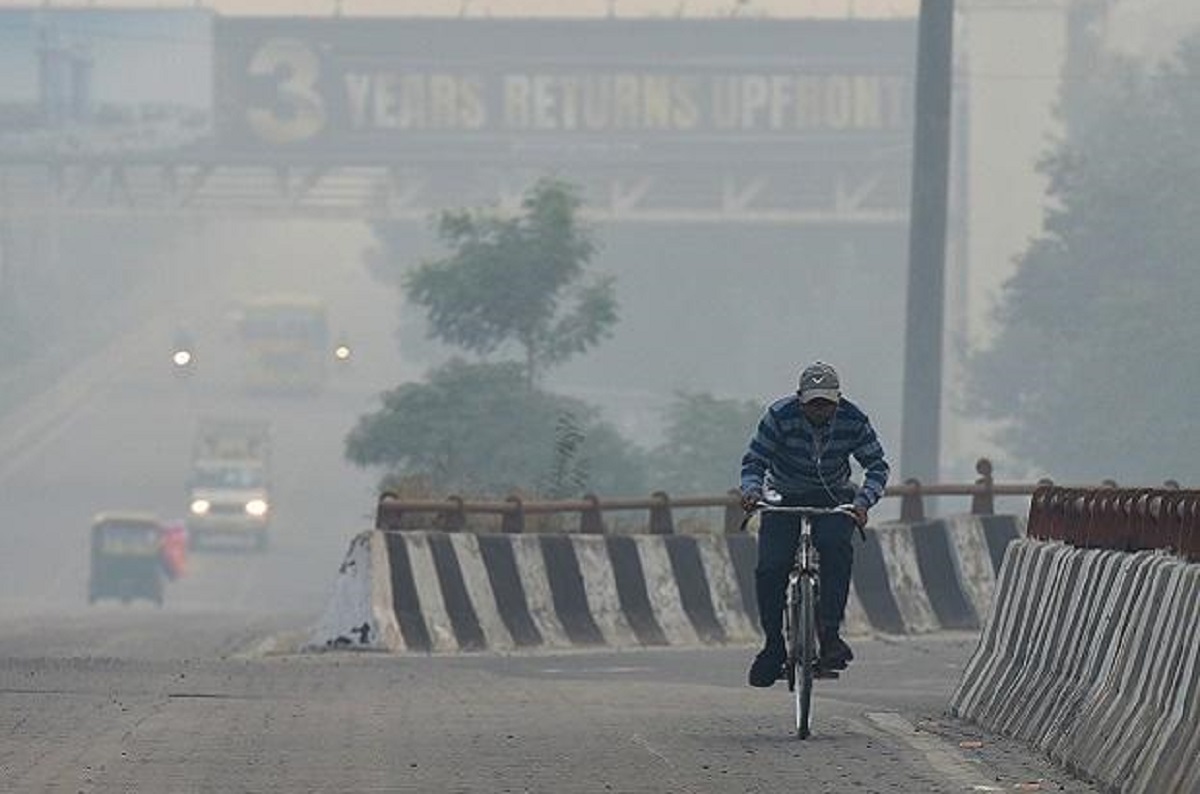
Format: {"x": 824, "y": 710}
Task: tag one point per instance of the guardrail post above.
{"x": 453, "y": 518}
{"x": 513, "y": 521}
{"x": 591, "y": 521}
{"x": 1189, "y": 527}
{"x": 912, "y": 507}
{"x": 387, "y": 517}
{"x": 1161, "y": 531}
{"x": 660, "y": 515}
{"x": 1040, "y": 519}
{"x": 983, "y": 502}
{"x": 733, "y": 512}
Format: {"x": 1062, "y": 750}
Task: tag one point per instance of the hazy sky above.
{"x": 145, "y": 57}
{"x": 712, "y": 341}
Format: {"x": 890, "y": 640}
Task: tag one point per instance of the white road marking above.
{"x": 593, "y": 670}
{"x": 677, "y": 785}
{"x": 21, "y": 449}
{"x": 939, "y": 755}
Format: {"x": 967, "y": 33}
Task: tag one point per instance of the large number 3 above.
{"x": 298, "y": 112}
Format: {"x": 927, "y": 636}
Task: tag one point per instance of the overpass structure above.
{"x": 216, "y": 185}
{"x": 786, "y": 121}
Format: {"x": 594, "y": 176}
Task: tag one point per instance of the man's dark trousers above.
{"x": 778, "y": 536}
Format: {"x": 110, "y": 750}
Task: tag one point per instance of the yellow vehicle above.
{"x": 126, "y": 558}
{"x": 285, "y": 343}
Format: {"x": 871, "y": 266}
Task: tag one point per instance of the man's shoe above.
{"x": 835, "y": 653}
{"x": 767, "y": 666}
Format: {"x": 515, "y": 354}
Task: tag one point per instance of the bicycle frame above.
{"x": 800, "y": 610}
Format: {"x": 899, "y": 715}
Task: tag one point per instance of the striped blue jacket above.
{"x": 789, "y": 455}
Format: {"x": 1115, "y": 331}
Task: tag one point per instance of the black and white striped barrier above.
{"x": 1093, "y": 657}
{"x": 435, "y": 592}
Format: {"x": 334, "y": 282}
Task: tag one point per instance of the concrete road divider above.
{"x": 360, "y": 613}
{"x": 939, "y": 574}
{"x": 436, "y": 592}
{"x": 1093, "y": 656}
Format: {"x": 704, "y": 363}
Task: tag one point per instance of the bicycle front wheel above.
{"x": 806, "y": 656}
{"x": 791, "y": 622}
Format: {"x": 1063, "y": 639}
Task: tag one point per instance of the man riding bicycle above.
{"x": 801, "y": 451}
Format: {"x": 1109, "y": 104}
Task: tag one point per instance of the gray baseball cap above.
{"x": 819, "y": 381}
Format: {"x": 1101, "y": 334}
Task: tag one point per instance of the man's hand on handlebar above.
{"x": 751, "y": 499}
{"x": 859, "y": 514}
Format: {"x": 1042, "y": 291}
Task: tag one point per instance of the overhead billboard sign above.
{"x": 396, "y": 89}
{"x": 91, "y": 81}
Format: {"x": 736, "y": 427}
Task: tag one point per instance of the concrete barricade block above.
{"x": 437, "y": 592}
{"x": 1093, "y": 656}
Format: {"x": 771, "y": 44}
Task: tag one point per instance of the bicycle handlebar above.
{"x": 768, "y": 507}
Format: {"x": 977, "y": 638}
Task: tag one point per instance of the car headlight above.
{"x": 200, "y": 507}
{"x": 256, "y": 508}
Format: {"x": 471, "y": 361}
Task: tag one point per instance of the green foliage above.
{"x": 704, "y": 442}
{"x": 517, "y": 280}
{"x": 481, "y": 429}
{"x": 1093, "y": 372}
{"x": 486, "y": 429}
{"x": 568, "y": 472}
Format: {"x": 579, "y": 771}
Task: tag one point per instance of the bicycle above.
{"x": 800, "y": 610}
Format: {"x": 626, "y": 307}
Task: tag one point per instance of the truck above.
{"x": 229, "y": 492}
{"x": 285, "y": 344}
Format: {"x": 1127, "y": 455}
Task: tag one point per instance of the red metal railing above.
{"x": 1125, "y": 519}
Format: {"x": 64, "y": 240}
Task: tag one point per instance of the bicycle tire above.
{"x": 806, "y": 656}
{"x": 791, "y": 618}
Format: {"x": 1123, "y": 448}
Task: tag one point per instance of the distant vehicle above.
{"x": 183, "y": 354}
{"x": 229, "y": 486}
{"x": 174, "y": 548}
{"x": 285, "y": 344}
{"x": 127, "y": 559}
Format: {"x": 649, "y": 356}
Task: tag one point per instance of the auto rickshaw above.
{"x": 126, "y": 558}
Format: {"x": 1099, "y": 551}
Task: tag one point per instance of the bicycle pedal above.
{"x": 822, "y": 672}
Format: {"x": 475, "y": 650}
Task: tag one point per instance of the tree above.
{"x": 480, "y": 429}
{"x": 519, "y": 279}
{"x": 705, "y": 439}
{"x": 1093, "y": 371}
{"x": 487, "y": 428}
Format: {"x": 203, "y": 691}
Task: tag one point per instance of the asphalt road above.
{"x": 207, "y": 693}
{"x": 102, "y": 706}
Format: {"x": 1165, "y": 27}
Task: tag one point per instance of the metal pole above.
{"x": 921, "y": 421}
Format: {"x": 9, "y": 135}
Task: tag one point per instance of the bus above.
{"x": 285, "y": 344}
